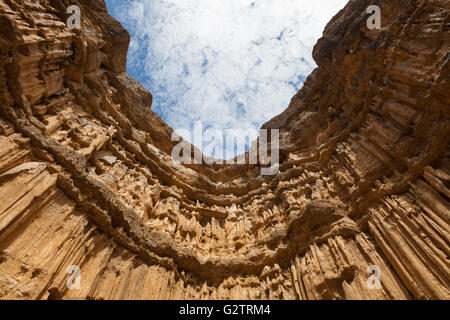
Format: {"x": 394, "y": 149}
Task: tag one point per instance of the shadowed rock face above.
{"x": 86, "y": 177}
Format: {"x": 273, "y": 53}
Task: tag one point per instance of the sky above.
{"x": 231, "y": 64}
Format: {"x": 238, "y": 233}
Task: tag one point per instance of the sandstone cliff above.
{"x": 86, "y": 177}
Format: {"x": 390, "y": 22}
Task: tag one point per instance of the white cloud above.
{"x": 229, "y": 63}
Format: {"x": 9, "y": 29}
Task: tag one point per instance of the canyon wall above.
{"x": 86, "y": 177}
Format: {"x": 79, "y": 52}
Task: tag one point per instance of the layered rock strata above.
{"x": 86, "y": 177}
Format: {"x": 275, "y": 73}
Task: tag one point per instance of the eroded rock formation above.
{"x": 86, "y": 177}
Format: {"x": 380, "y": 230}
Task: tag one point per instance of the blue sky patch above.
{"x": 234, "y": 64}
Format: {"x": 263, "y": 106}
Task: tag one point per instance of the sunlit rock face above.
{"x": 86, "y": 177}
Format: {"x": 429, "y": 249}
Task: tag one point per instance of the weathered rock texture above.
{"x": 86, "y": 178}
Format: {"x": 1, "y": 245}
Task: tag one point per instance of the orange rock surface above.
{"x": 86, "y": 177}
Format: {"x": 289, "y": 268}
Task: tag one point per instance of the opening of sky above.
{"x": 232, "y": 64}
